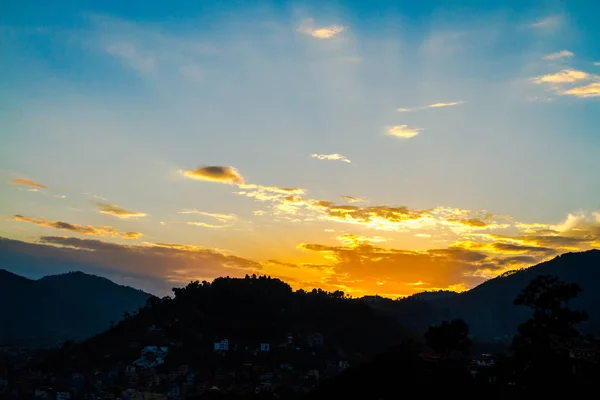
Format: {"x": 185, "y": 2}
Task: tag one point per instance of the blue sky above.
{"x": 464, "y": 127}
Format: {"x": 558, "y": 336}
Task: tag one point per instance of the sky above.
{"x": 381, "y": 147}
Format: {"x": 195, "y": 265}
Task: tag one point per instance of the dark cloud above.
{"x": 75, "y": 228}
{"x": 215, "y": 174}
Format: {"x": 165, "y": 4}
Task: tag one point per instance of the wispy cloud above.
{"x": 333, "y": 157}
{"x": 403, "y": 131}
{"x": 324, "y": 32}
{"x": 130, "y": 55}
{"x": 114, "y": 210}
{"x": 564, "y": 76}
{"x": 215, "y": 173}
{"x": 547, "y": 22}
{"x": 219, "y": 217}
{"x": 434, "y": 105}
{"x": 27, "y": 182}
{"x": 597, "y": 63}
{"x": 351, "y": 199}
{"x": 76, "y": 228}
{"x": 558, "y": 55}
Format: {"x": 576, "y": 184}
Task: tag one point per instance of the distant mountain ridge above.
{"x": 55, "y": 308}
{"x": 488, "y": 308}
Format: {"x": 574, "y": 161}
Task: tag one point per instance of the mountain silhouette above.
{"x": 488, "y": 308}
{"x": 55, "y": 308}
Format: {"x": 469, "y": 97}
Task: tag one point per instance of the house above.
{"x": 315, "y": 340}
{"x": 152, "y": 356}
{"x": 265, "y": 347}
{"x": 223, "y": 345}
{"x": 63, "y": 395}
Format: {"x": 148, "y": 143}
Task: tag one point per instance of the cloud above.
{"x": 205, "y": 225}
{"x": 81, "y": 229}
{"x": 27, "y": 182}
{"x": 472, "y": 222}
{"x": 591, "y": 90}
{"x": 264, "y": 193}
{"x": 118, "y": 212}
{"x": 558, "y": 55}
{"x": 219, "y": 217}
{"x": 547, "y": 23}
{"x": 597, "y": 64}
{"x": 564, "y": 76}
{"x": 130, "y": 55}
{"x": 215, "y": 173}
{"x": 325, "y": 32}
{"x": 152, "y": 267}
{"x": 403, "y": 131}
{"x": 333, "y": 157}
{"x": 435, "y": 105}
{"x": 351, "y": 199}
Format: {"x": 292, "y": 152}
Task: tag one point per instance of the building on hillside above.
{"x": 152, "y": 356}
{"x": 223, "y": 345}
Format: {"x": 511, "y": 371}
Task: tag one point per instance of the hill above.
{"x": 488, "y": 308}
{"x": 305, "y": 329}
{"x": 50, "y": 310}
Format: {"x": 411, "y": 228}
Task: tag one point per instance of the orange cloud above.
{"x": 27, "y": 182}
{"x": 75, "y": 228}
{"x": 219, "y": 217}
{"x": 117, "y": 211}
{"x": 215, "y": 173}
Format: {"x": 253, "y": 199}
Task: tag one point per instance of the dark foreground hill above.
{"x": 488, "y": 308}
{"x": 301, "y": 328}
{"x": 50, "y": 310}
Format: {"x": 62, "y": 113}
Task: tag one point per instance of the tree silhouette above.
{"x": 449, "y": 337}
{"x": 542, "y": 343}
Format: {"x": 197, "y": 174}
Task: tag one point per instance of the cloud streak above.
{"x": 564, "y": 76}
{"x": 435, "y": 105}
{"x": 76, "y": 228}
{"x": 27, "y": 182}
{"x": 118, "y": 212}
{"x": 331, "y": 157}
{"x": 219, "y": 217}
{"x": 558, "y": 55}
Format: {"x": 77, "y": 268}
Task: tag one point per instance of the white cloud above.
{"x": 403, "y": 131}
{"x": 558, "y": 55}
{"x": 332, "y": 157}
{"x": 434, "y": 105}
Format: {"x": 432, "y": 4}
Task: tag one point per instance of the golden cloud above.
{"x": 564, "y": 76}
{"x": 558, "y": 55}
{"x": 472, "y": 222}
{"x": 403, "y": 131}
{"x": 219, "y": 217}
{"x": 117, "y": 211}
{"x": 326, "y": 32}
{"x": 82, "y": 229}
{"x": 27, "y": 182}
{"x": 205, "y": 225}
{"x": 332, "y": 157}
{"x": 215, "y": 173}
{"x": 591, "y": 90}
